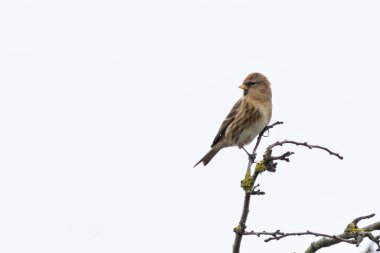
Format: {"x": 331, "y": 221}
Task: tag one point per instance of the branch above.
{"x": 262, "y": 133}
{"x": 269, "y": 165}
{"x": 283, "y": 157}
{"x": 352, "y": 235}
{"x": 248, "y": 185}
{"x": 280, "y": 143}
{"x": 356, "y": 221}
{"x": 277, "y": 235}
{"x": 352, "y": 231}
{"x": 257, "y": 192}
{"x": 266, "y": 164}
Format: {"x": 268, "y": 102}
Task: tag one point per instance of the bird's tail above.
{"x": 214, "y": 150}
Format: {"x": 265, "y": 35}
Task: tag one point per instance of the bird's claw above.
{"x": 252, "y": 157}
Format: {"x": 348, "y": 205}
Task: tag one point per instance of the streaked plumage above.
{"x": 247, "y": 118}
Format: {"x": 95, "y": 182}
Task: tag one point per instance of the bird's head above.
{"x": 256, "y": 84}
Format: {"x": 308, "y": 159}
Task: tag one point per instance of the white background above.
{"x": 105, "y": 106}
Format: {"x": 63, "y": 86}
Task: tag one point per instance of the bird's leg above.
{"x": 251, "y": 157}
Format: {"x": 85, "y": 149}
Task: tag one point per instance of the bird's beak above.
{"x": 244, "y": 87}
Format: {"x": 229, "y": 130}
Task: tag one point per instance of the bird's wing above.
{"x": 230, "y": 117}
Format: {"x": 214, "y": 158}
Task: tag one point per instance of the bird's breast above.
{"x": 250, "y": 121}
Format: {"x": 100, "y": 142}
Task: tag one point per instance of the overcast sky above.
{"x": 106, "y": 105}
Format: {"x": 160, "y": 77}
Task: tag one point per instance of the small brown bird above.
{"x": 247, "y": 118}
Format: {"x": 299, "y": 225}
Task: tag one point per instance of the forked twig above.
{"x": 280, "y": 143}
{"x": 268, "y": 164}
{"x": 352, "y": 235}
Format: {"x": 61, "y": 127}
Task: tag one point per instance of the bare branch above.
{"x": 262, "y": 133}
{"x": 273, "y": 125}
{"x": 356, "y": 221}
{"x": 280, "y": 143}
{"x": 256, "y": 192}
{"x": 351, "y": 235}
{"x": 277, "y": 235}
{"x": 268, "y": 164}
{"x": 351, "y": 232}
{"x": 283, "y": 157}
{"x": 248, "y": 185}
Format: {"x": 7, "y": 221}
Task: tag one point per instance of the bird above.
{"x": 247, "y": 118}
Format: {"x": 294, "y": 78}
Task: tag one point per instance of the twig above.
{"x": 352, "y": 231}
{"x": 356, "y": 221}
{"x": 280, "y": 143}
{"x": 277, "y": 235}
{"x": 262, "y": 133}
{"x": 351, "y": 235}
{"x": 257, "y": 192}
{"x": 266, "y": 164}
{"x": 248, "y": 192}
{"x": 283, "y": 157}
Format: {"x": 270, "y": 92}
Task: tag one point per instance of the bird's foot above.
{"x": 251, "y": 157}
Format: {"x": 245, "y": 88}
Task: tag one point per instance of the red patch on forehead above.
{"x": 252, "y": 76}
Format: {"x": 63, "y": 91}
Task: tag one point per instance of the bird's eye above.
{"x": 251, "y": 83}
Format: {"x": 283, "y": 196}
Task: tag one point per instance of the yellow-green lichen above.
{"x": 353, "y": 229}
{"x": 237, "y": 229}
{"x": 260, "y": 166}
{"x": 246, "y": 183}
